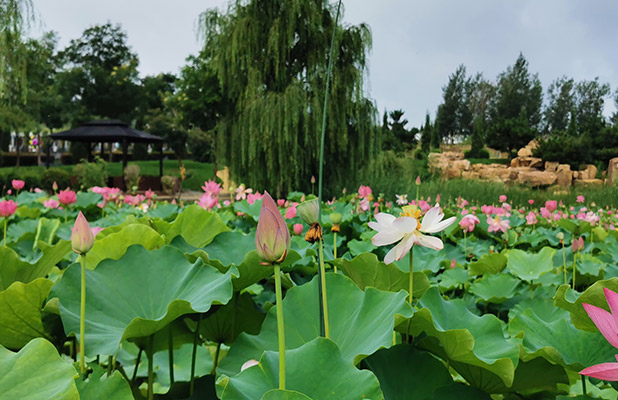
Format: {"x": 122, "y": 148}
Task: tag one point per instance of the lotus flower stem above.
{"x": 216, "y": 360}
{"x": 564, "y": 262}
{"x": 411, "y": 288}
{"x": 170, "y": 353}
{"x": 5, "y": 224}
{"x": 150, "y": 367}
{"x": 110, "y": 363}
{"x": 280, "y": 327}
{"x": 137, "y": 361}
{"x": 323, "y": 285}
{"x": 584, "y": 385}
{"x": 335, "y": 248}
{"x": 82, "y": 320}
{"x": 194, "y": 355}
{"x": 574, "y": 269}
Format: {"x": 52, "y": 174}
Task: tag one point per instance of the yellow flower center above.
{"x": 414, "y": 212}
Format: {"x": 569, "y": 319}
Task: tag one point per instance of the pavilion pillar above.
{"x": 161, "y": 161}
{"x": 125, "y": 148}
{"x": 102, "y": 151}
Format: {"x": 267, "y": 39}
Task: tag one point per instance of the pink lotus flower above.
{"x": 67, "y": 197}
{"x": 364, "y": 191}
{"x": 298, "y": 229}
{"x": 149, "y": 193}
{"x": 7, "y": 208}
{"x": 17, "y": 184}
{"x": 272, "y": 237}
{"x": 502, "y": 198}
{"x": 290, "y": 212}
{"x": 498, "y": 224}
{"x": 607, "y": 323}
{"x": 531, "y": 201}
{"x": 577, "y": 245}
{"x": 82, "y": 237}
{"x": 551, "y": 205}
{"x": 364, "y": 205}
{"x": 531, "y": 218}
{"x": 468, "y": 222}
{"x": 280, "y": 202}
{"x": 580, "y": 199}
{"x": 211, "y": 187}
{"x": 545, "y": 213}
{"x": 252, "y": 197}
{"x": 485, "y": 209}
{"x": 95, "y": 230}
{"x": 207, "y": 201}
{"x": 51, "y": 203}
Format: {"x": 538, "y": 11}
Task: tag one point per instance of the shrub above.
{"x": 131, "y": 176}
{"x": 91, "y": 174}
{"x": 201, "y": 145}
{"x": 58, "y": 175}
{"x": 420, "y": 154}
{"x": 79, "y": 151}
{"x": 168, "y": 183}
{"x": 482, "y": 153}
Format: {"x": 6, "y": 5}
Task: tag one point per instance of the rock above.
{"x": 537, "y": 178}
{"x": 515, "y": 162}
{"x": 589, "y": 182}
{"x": 590, "y": 171}
{"x": 524, "y": 152}
{"x": 463, "y": 165}
{"x": 612, "y": 171}
{"x": 452, "y": 173}
{"x": 576, "y": 175}
{"x": 453, "y": 155}
{"x": 536, "y": 163}
{"x": 551, "y": 166}
{"x": 494, "y": 172}
{"x": 469, "y": 175}
{"x": 564, "y": 175}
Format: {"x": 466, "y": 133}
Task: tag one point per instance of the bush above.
{"x": 91, "y": 174}
{"x": 79, "y": 151}
{"x": 201, "y": 145}
{"x": 168, "y": 184}
{"x": 51, "y": 175}
{"x": 420, "y": 154}
{"x": 131, "y": 176}
{"x": 392, "y": 174}
{"x": 482, "y": 153}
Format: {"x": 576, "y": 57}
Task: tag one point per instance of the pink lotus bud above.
{"x": 7, "y": 208}
{"x": 290, "y": 212}
{"x": 67, "y": 197}
{"x": 577, "y": 245}
{"x": 149, "y": 193}
{"x": 82, "y": 238}
{"x": 453, "y": 263}
{"x": 280, "y": 202}
{"x": 502, "y": 198}
{"x": 418, "y": 180}
{"x": 18, "y": 184}
{"x": 312, "y": 179}
{"x": 298, "y": 229}
{"x": 248, "y": 364}
{"x": 55, "y": 186}
{"x": 531, "y": 201}
{"x": 272, "y": 238}
{"x": 51, "y": 203}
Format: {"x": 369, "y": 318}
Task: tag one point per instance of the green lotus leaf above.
{"x": 278, "y": 394}
{"x": 492, "y": 263}
{"x": 241, "y": 314}
{"x": 589, "y": 265}
{"x": 537, "y": 375}
{"x": 197, "y": 226}
{"x": 569, "y": 300}
{"x": 360, "y": 322}
{"x": 452, "y": 278}
{"x": 495, "y": 288}
{"x": 87, "y": 200}
{"x": 20, "y": 312}
{"x": 366, "y": 270}
{"x": 475, "y": 346}
{"x": 252, "y": 210}
{"x": 100, "y": 386}
{"x": 530, "y": 266}
{"x": 559, "y": 342}
{"x": 164, "y": 211}
{"x": 460, "y": 391}
{"x": 137, "y": 295}
{"x": 425, "y": 259}
{"x": 15, "y": 269}
{"x": 408, "y": 373}
{"x": 36, "y": 372}
{"x": 358, "y": 247}
{"x": 230, "y": 247}
{"x": 114, "y": 245}
{"x": 17, "y": 230}
{"x": 46, "y": 230}
{"x": 318, "y": 361}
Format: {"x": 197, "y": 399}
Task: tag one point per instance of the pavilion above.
{"x": 109, "y": 131}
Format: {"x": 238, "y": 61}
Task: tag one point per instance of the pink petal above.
{"x": 612, "y": 301}
{"x": 605, "y": 322}
{"x": 604, "y": 371}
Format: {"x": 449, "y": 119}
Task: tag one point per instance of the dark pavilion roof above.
{"x": 106, "y": 131}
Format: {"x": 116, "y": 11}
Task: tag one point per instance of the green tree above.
{"x": 519, "y": 94}
{"x": 99, "y": 75}
{"x": 479, "y": 96}
{"x": 455, "y": 117}
{"x": 477, "y": 141}
{"x": 589, "y": 103}
{"x": 271, "y": 58}
{"x": 426, "y": 134}
{"x": 436, "y": 139}
{"x": 560, "y": 102}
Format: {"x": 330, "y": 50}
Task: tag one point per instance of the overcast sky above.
{"x": 416, "y": 44}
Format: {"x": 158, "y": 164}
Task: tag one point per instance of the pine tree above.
{"x": 426, "y": 135}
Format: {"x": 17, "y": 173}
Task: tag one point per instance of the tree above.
{"x": 455, "y": 116}
{"x": 589, "y": 102}
{"x": 477, "y": 141}
{"x": 518, "y": 94}
{"x": 480, "y": 95}
{"x": 271, "y": 59}
{"x": 560, "y": 102}
{"x": 436, "y": 139}
{"x": 426, "y": 134}
{"x": 99, "y": 75}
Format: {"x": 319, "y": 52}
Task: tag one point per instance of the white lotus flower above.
{"x": 408, "y": 231}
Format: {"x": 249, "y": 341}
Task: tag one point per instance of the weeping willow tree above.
{"x": 271, "y": 58}
{"x": 15, "y": 17}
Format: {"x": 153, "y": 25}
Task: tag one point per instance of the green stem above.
{"x": 323, "y": 284}
{"x": 215, "y": 363}
{"x": 335, "y": 248}
{"x": 194, "y": 355}
{"x": 574, "y": 269}
{"x": 465, "y": 245}
{"x": 280, "y": 327}
{"x": 170, "y": 353}
{"x": 6, "y": 221}
{"x": 137, "y": 361}
{"x": 411, "y": 288}
{"x": 150, "y": 367}
{"x": 584, "y": 384}
{"x": 82, "y": 320}
{"x": 110, "y": 368}
{"x": 564, "y": 263}
{"x": 418, "y": 192}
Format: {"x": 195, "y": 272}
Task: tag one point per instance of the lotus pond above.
{"x": 179, "y": 304}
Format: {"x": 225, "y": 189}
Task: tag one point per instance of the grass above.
{"x": 197, "y": 172}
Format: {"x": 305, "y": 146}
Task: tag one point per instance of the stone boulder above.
{"x": 612, "y": 171}
{"x": 551, "y": 166}
{"x": 537, "y": 178}
{"x": 524, "y": 152}
{"x": 589, "y": 172}
{"x": 469, "y": 175}
{"x": 564, "y": 175}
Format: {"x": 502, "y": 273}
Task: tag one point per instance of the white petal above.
{"x": 400, "y": 250}
{"x": 405, "y": 224}
{"x": 432, "y": 217}
{"x": 429, "y": 241}
{"x": 440, "y": 226}
{"x": 386, "y": 236}
{"x": 375, "y": 226}
{"x": 385, "y": 219}
{"x": 390, "y": 256}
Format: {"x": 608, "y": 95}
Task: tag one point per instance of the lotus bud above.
{"x": 560, "y": 236}
{"x": 312, "y": 179}
{"x": 309, "y": 211}
{"x": 335, "y": 218}
{"x": 272, "y": 238}
{"x": 577, "y": 245}
{"x": 418, "y": 180}
{"x": 82, "y": 238}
